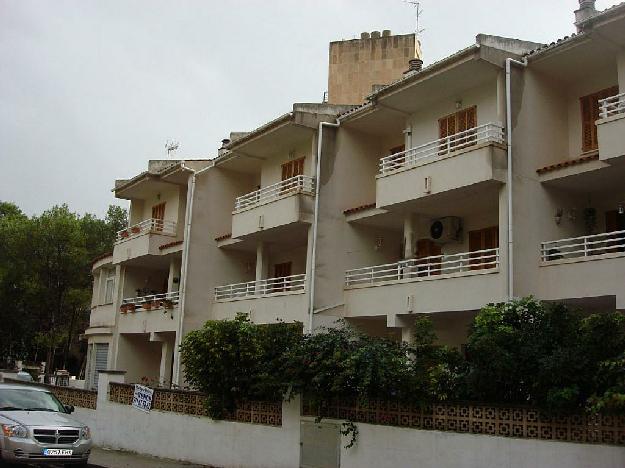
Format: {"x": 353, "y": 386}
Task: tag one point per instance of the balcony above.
{"x": 262, "y": 288}
{"x": 143, "y": 238}
{"x": 583, "y": 267}
{"x": 148, "y": 226}
{"x": 425, "y": 285}
{"x": 478, "y": 157}
{"x": 575, "y": 249}
{"x": 151, "y": 313}
{"x": 286, "y": 202}
{"x": 611, "y": 128}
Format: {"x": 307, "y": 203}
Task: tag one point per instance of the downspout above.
{"x": 523, "y": 63}
{"x": 313, "y": 253}
{"x": 184, "y": 265}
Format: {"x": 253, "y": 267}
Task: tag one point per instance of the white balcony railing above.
{"x": 416, "y": 268}
{"x": 584, "y": 246}
{"x": 297, "y": 184}
{"x": 488, "y": 133}
{"x": 612, "y": 106}
{"x": 261, "y": 288}
{"x": 159, "y": 226}
{"x": 154, "y": 300}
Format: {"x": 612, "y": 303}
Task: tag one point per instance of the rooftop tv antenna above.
{"x": 418, "y": 30}
{"x": 171, "y": 146}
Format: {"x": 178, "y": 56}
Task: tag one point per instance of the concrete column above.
{"x": 167, "y": 348}
{"x": 501, "y": 98}
{"x": 410, "y": 235}
{"x": 106, "y": 377}
{"x": 620, "y": 67}
{"x": 118, "y": 295}
{"x": 262, "y": 264}
{"x": 174, "y": 272}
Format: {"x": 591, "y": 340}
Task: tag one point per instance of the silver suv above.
{"x": 37, "y": 428}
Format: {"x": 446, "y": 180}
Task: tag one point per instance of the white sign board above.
{"x": 142, "y": 399}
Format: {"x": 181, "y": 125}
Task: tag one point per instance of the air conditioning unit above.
{"x": 447, "y": 229}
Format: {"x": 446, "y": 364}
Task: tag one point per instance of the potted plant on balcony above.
{"x": 147, "y": 305}
{"x": 124, "y": 308}
{"x": 131, "y": 307}
{"x": 135, "y": 229}
{"x": 168, "y": 305}
{"x": 124, "y": 234}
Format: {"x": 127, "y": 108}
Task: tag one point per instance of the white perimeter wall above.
{"x": 228, "y": 444}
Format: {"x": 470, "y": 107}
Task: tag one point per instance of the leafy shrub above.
{"x": 543, "y": 354}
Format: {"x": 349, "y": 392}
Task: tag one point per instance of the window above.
{"x": 97, "y": 360}
{"x": 589, "y": 106}
{"x": 452, "y": 124}
{"x": 158, "y": 214}
{"x": 483, "y": 239}
{"x": 109, "y": 286}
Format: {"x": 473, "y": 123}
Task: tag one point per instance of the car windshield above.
{"x": 15, "y": 399}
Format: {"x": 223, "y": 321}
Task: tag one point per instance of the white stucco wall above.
{"x": 380, "y": 446}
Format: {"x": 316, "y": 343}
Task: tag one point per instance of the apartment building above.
{"x": 496, "y": 172}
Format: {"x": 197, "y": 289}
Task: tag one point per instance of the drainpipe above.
{"x": 523, "y": 63}
{"x": 313, "y": 254}
{"x": 184, "y": 265}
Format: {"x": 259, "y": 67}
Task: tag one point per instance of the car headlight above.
{"x": 14, "y": 431}
{"x": 85, "y": 433}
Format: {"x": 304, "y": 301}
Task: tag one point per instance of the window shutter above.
{"x": 589, "y": 106}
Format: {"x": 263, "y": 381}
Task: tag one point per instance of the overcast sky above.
{"x": 90, "y": 90}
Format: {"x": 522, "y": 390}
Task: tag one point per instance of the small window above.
{"x": 480, "y": 240}
{"x": 158, "y": 214}
{"x": 589, "y": 106}
{"x": 108, "y": 290}
{"x": 293, "y": 168}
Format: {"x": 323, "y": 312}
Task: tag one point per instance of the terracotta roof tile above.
{"x": 224, "y": 237}
{"x": 568, "y": 163}
{"x": 101, "y": 257}
{"x": 359, "y": 208}
{"x": 170, "y": 244}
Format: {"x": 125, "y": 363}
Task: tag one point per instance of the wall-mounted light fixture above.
{"x": 621, "y": 209}
{"x": 379, "y": 243}
{"x": 572, "y": 214}
{"x": 558, "y": 215}
{"x": 158, "y": 196}
{"x": 459, "y": 104}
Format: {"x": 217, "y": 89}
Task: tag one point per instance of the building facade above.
{"x": 497, "y": 172}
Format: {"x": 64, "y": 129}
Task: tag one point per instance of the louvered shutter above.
{"x": 100, "y": 361}
{"x": 590, "y": 110}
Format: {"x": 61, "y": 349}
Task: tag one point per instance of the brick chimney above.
{"x": 586, "y": 10}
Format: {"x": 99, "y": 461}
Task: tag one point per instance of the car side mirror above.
{"x": 69, "y": 409}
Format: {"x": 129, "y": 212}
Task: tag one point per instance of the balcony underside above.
{"x": 610, "y": 134}
{"x": 152, "y": 321}
{"x": 292, "y": 211}
{"x": 430, "y": 295}
{"x": 479, "y": 166}
{"x": 289, "y": 307}
{"x": 147, "y": 244}
{"x": 591, "y": 176}
{"x": 594, "y": 276}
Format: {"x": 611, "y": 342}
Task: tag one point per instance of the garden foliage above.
{"x": 520, "y": 352}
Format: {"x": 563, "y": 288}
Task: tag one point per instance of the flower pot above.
{"x": 131, "y": 307}
{"x": 124, "y": 234}
{"x": 147, "y": 305}
{"x": 135, "y": 229}
{"x": 123, "y": 309}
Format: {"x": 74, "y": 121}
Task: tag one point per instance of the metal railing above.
{"x": 263, "y": 287}
{"x": 297, "y": 184}
{"x": 413, "y": 268}
{"x": 584, "y": 246}
{"x": 487, "y": 133}
{"x": 152, "y": 301}
{"x": 160, "y": 226}
{"x": 612, "y": 106}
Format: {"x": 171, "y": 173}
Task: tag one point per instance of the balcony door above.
{"x": 291, "y": 169}
{"x": 483, "y": 239}
{"x": 280, "y": 272}
{"x": 458, "y": 122}
{"x": 428, "y": 258}
{"x": 158, "y": 214}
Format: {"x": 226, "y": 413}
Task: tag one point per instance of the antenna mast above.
{"x": 418, "y": 54}
{"x": 171, "y": 146}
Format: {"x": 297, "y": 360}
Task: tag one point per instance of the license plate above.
{"x": 57, "y": 452}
